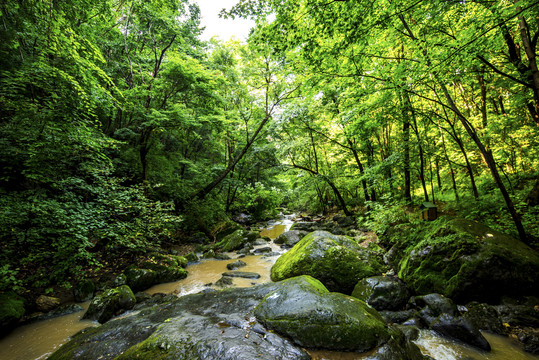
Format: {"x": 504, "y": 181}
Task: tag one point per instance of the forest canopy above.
{"x": 121, "y": 130}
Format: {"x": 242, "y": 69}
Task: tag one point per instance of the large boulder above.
{"x": 460, "y": 329}
{"x": 466, "y": 261}
{"x": 290, "y": 238}
{"x": 337, "y": 261}
{"x": 208, "y": 325}
{"x": 11, "y": 311}
{"x": 305, "y": 311}
{"x": 46, "y": 303}
{"x": 113, "y": 301}
{"x": 382, "y": 292}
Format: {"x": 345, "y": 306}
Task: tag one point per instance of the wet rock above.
{"x": 60, "y": 311}
{"x": 397, "y": 317}
{"x": 460, "y": 329}
{"x": 140, "y": 279}
{"x": 305, "y": 226}
{"x": 191, "y": 257}
{"x": 519, "y": 314}
{"x": 210, "y": 254}
{"x": 242, "y": 274}
{"x": 468, "y": 261}
{"x": 47, "y": 303}
{"x": 11, "y": 311}
{"x": 220, "y": 256}
{"x": 224, "y": 281}
{"x": 485, "y": 317}
{"x": 152, "y": 300}
{"x": 235, "y": 265}
{"x": 338, "y": 262}
{"x": 397, "y": 348}
{"x": 263, "y": 250}
{"x": 260, "y": 241}
{"x": 432, "y": 306}
{"x": 113, "y": 301}
{"x": 224, "y": 228}
{"x": 382, "y": 292}
{"x": 84, "y": 290}
{"x": 529, "y": 338}
{"x": 232, "y": 242}
{"x": 207, "y": 326}
{"x": 290, "y": 238}
{"x": 305, "y": 311}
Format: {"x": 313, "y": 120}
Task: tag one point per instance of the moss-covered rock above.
{"x": 337, "y": 261}
{"x": 84, "y": 290}
{"x": 140, "y": 279}
{"x": 191, "y": 257}
{"x": 158, "y": 268}
{"x": 304, "y": 310}
{"x": 111, "y": 302}
{"x": 382, "y": 292}
{"x": 11, "y": 311}
{"x": 466, "y": 261}
{"x": 210, "y": 325}
{"x": 224, "y": 228}
{"x": 234, "y": 241}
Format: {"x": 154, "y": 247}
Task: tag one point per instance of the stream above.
{"x": 39, "y": 340}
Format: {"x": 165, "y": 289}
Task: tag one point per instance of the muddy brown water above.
{"x": 39, "y": 340}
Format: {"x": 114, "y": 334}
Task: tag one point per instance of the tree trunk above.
{"x": 487, "y": 155}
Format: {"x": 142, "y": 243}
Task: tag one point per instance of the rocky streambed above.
{"x": 343, "y": 296}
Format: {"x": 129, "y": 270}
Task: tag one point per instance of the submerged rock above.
{"x": 305, "y": 311}
{"x": 465, "y": 260}
{"x": 382, "y": 292}
{"x": 338, "y": 262}
{"x": 113, "y": 301}
{"x": 242, "y": 274}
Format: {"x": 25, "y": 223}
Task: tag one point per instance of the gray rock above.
{"x": 235, "y": 265}
{"x": 382, "y": 292}
{"x": 460, "y": 329}
{"x": 290, "y": 238}
{"x": 432, "y": 306}
{"x": 262, "y": 250}
{"x": 210, "y": 325}
{"x": 242, "y": 274}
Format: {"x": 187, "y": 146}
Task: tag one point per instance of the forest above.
{"x": 122, "y": 131}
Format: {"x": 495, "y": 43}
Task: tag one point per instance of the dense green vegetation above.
{"x": 120, "y": 130}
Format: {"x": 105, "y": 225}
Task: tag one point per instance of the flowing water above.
{"x": 39, "y": 340}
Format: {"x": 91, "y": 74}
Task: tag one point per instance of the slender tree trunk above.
{"x": 490, "y": 162}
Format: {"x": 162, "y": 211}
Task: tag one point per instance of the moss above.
{"x": 461, "y": 259}
{"x": 234, "y": 241}
{"x": 11, "y": 311}
{"x": 337, "y": 261}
